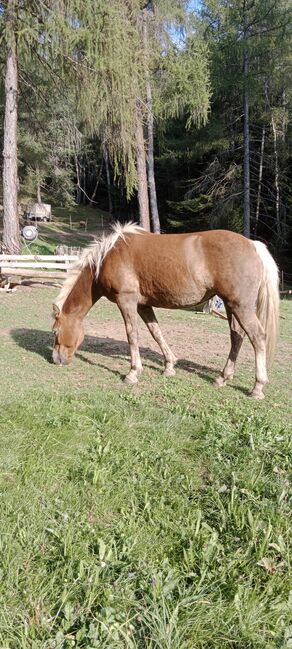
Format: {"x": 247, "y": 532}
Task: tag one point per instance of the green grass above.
{"x": 59, "y": 231}
{"x": 150, "y": 517}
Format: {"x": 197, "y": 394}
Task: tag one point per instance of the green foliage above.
{"x": 261, "y": 30}
{"x": 46, "y": 155}
{"x": 108, "y": 65}
{"x": 204, "y": 170}
{"x": 84, "y": 65}
{"x": 184, "y": 85}
{"x": 105, "y": 45}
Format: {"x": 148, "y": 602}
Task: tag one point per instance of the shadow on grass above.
{"x": 40, "y": 342}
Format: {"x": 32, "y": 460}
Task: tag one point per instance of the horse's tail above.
{"x": 268, "y": 299}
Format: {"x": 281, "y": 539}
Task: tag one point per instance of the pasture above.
{"x": 155, "y": 516}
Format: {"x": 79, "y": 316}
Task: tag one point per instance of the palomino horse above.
{"x": 138, "y": 271}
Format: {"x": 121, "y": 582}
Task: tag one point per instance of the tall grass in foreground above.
{"x": 133, "y": 523}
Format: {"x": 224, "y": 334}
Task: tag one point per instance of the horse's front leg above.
{"x": 128, "y": 308}
{"x": 148, "y": 316}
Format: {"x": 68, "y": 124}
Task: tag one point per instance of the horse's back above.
{"x": 178, "y": 256}
{"x": 179, "y": 269}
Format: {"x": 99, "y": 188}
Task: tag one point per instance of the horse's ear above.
{"x": 56, "y": 311}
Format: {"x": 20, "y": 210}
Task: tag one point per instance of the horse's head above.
{"x": 68, "y": 335}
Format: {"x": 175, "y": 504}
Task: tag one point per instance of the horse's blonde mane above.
{"x": 94, "y": 255}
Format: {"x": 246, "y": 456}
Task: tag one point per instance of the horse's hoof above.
{"x": 130, "y": 380}
{"x": 219, "y": 382}
{"x": 169, "y": 372}
{"x": 257, "y": 396}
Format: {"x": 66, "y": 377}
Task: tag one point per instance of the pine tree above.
{"x": 246, "y": 42}
{"x": 119, "y": 67}
{"x": 11, "y": 234}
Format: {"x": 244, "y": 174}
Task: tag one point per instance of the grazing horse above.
{"x": 138, "y": 271}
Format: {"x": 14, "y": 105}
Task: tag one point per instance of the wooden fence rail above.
{"x": 33, "y": 258}
{"x": 35, "y": 266}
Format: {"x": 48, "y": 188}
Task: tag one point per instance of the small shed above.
{"x": 38, "y": 212}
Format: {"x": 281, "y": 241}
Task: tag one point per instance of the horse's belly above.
{"x": 173, "y": 299}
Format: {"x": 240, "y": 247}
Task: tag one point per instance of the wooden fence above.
{"x": 13, "y": 268}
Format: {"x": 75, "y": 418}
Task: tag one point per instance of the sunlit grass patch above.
{"x": 131, "y": 523}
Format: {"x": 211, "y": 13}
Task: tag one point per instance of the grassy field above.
{"x": 148, "y": 517}
{"x": 67, "y": 228}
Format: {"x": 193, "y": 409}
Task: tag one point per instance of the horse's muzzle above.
{"x": 59, "y": 358}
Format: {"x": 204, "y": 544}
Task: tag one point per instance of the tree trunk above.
{"x": 83, "y": 189}
{"x": 246, "y": 158}
{"x": 96, "y": 184}
{"x": 38, "y": 178}
{"x": 260, "y": 178}
{"x": 108, "y": 181}
{"x": 78, "y": 188}
{"x": 141, "y": 172}
{"x": 284, "y": 106}
{"x": 232, "y": 133}
{"x": 277, "y": 185}
{"x": 284, "y": 129}
{"x": 151, "y": 175}
{"x": 150, "y": 132}
{"x": 11, "y": 233}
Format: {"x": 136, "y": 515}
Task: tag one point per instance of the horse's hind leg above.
{"x": 256, "y": 334}
{"x": 148, "y": 316}
{"x": 128, "y": 309}
{"x": 236, "y": 335}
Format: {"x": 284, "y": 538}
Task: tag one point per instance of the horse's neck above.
{"x": 83, "y": 295}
